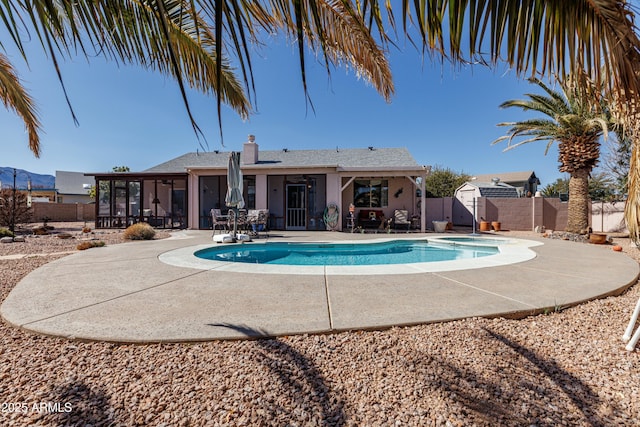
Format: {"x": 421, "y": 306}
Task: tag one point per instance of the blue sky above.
{"x": 128, "y": 116}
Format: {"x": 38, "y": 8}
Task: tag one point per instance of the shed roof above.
{"x": 523, "y": 176}
{"x": 489, "y": 189}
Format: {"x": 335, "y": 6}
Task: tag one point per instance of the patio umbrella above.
{"x": 234, "y": 199}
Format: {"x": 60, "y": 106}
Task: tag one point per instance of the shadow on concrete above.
{"x": 294, "y": 375}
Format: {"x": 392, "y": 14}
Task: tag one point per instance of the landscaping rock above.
{"x": 563, "y": 235}
{"x": 566, "y": 368}
{"x": 20, "y": 239}
{"x": 40, "y": 231}
{"x": 6, "y": 240}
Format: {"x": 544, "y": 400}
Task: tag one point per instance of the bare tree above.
{"x": 616, "y": 160}
{"x": 12, "y": 214}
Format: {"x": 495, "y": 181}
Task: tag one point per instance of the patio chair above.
{"x": 331, "y": 216}
{"x": 242, "y": 223}
{"x": 257, "y": 221}
{"x": 218, "y": 221}
{"x": 401, "y": 219}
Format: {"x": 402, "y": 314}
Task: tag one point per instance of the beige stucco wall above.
{"x": 608, "y": 217}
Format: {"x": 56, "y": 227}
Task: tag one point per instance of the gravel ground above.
{"x": 565, "y": 368}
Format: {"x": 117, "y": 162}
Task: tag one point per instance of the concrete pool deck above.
{"x": 125, "y": 293}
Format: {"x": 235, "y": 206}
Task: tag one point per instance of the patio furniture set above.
{"x": 374, "y": 219}
{"x": 252, "y": 221}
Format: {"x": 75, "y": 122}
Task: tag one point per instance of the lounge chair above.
{"x": 401, "y": 219}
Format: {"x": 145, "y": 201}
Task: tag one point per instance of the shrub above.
{"x": 90, "y": 244}
{"x": 140, "y": 231}
{"x": 5, "y": 232}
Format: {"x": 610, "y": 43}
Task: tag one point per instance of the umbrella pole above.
{"x": 235, "y": 223}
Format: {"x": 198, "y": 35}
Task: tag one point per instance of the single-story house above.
{"x": 73, "y": 187}
{"x": 526, "y": 181}
{"x": 296, "y": 186}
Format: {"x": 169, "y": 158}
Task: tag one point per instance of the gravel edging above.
{"x": 565, "y": 368}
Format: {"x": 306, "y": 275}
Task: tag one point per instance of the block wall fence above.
{"x": 522, "y": 214}
{"x": 63, "y": 212}
{"x": 525, "y": 214}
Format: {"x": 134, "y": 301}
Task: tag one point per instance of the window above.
{"x": 371, "y": 193}
{"x": 249, "y": 191}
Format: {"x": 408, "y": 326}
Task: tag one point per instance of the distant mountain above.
{"x": 22, "y": 176}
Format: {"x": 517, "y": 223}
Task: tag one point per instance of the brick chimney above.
{"x": 250, "y": 151}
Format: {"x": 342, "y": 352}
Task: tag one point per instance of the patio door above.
{"x": 296, "y": 218}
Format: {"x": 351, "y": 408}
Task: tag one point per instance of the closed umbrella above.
{"x": 234, "y": 199}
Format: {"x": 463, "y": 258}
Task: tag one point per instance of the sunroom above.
{"x": 123, "y": 199}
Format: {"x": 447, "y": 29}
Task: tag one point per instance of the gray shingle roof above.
{"x": 496, "y": 190}
{"x": 378, "y": 158}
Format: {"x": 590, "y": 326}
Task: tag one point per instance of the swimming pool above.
{"x": 378, "y": 253}
{"x": 508, "y": 251}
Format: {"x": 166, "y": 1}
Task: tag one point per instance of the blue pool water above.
{"x": 380, "y": 253}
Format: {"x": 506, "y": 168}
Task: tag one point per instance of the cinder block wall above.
{"x": 63, "y": 212}
{"x": 439, "y": 209}
{"x": 513, "y": 214}
{"x": 527, "y": 213}
{"x": 555, "y": 214}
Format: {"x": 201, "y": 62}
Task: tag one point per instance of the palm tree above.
{"x": 196, "y": 41}
{"x": 576, "y": 122}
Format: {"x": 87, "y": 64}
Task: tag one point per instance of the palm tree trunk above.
{"x": 578, "y": 211}
{"x": 632, "y": 207}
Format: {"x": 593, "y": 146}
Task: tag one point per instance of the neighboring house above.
{"x": 466, "y": 195}
{"x": 526, "y": 182}
{"x": 43, "y": 195}
{"x": 73, "y": 187}
{"x": 294, "y": 185}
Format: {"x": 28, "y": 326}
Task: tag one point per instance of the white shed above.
{"x": 465, "y": 195}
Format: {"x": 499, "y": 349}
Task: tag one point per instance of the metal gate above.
{"x": 296, "y": 207}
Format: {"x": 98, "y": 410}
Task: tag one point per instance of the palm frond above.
{"x": 550, "y": 38}
{"x": 15, "y": 97}
{"x": 334, "y": 29}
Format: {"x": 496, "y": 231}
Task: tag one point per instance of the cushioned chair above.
{"x": 257, "y": 221}
{"x": 401, "y": 219}
{"x": 241, "y": 222}
{"x": 218, "y": 221}
{"x": 370, "y": 218}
